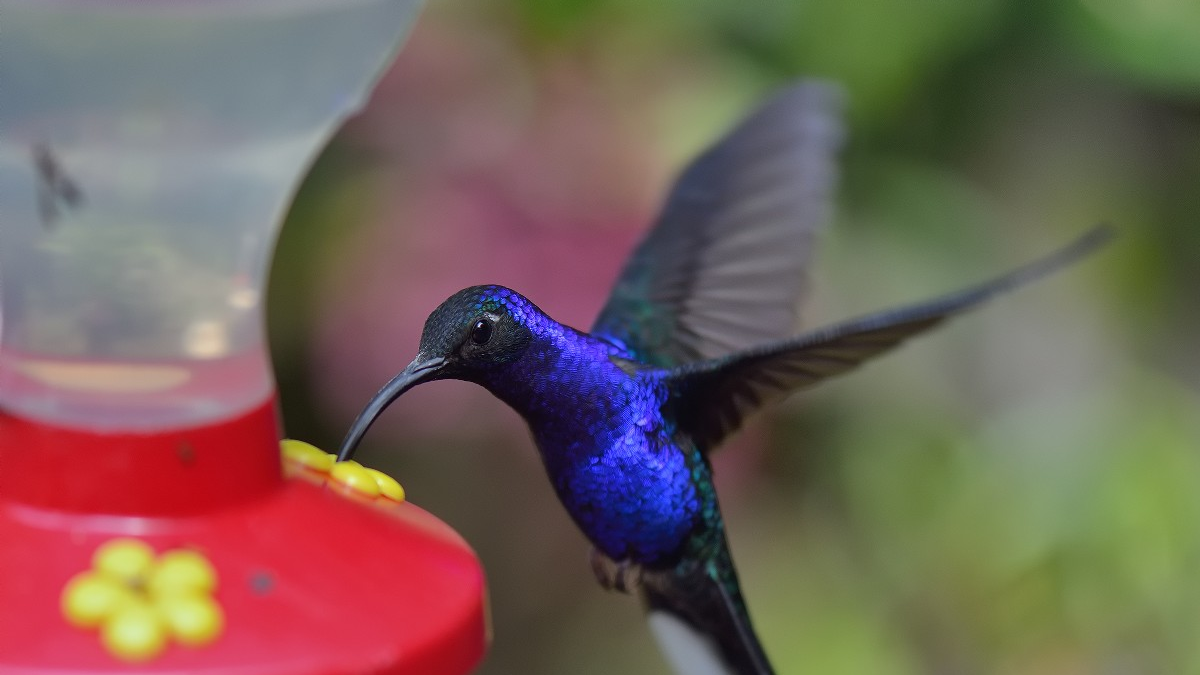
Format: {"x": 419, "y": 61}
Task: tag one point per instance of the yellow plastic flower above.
{"x": 307, "y": 455}
{"x": 140, "y": 601}
{"x": 366, "y": 482}
{"x": 181, "y": 571}
{"x": 356, "y": 477}
{"x": 388, "y": 487}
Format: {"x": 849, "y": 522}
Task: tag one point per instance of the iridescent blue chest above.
{"x": 611, "y": 455}
{"x": 616, "y": 468}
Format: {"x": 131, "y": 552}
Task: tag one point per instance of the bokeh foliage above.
{"x": 1017, "y": 495}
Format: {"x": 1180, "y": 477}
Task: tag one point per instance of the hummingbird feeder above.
{"x": 148, "y": 152}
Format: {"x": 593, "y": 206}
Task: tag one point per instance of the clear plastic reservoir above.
{"x": 148, "y": 152}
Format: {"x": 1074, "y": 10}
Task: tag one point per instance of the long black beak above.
{"x": 415, "y": 373}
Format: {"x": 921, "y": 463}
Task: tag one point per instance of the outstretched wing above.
{"x": 715, "y": 397}
{"x": 724, "y": 266}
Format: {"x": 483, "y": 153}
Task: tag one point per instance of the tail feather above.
{"x": 698, "y": 616}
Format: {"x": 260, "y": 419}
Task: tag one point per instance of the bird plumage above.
{"x": 726, "y": 263}
{"x": 693, "y": 340}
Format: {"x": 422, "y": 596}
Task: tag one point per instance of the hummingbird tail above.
{"x": 700, "y": 620}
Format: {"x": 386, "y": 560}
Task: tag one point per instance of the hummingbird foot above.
{"x": 624, "y": 576}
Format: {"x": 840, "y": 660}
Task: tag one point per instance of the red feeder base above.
{"x": 309, "y": 580}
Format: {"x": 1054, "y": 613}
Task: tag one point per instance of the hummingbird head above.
{"x": 473, "y": 332}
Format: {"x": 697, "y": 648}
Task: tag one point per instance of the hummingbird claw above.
{"x": 624, "y": 576}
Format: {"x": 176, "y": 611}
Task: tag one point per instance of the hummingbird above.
{"x": 697, "y": 335}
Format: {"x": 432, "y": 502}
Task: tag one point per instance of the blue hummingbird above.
{"x": 696, "y": 336}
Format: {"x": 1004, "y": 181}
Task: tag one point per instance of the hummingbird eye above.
{"x": 481, "y": 332}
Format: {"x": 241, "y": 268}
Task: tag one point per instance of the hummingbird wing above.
{"x": 713, "y": 398}
{"x": 697, "y": 614}
{"x": 723, "y": 267}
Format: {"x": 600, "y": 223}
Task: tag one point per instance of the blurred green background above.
{"x": 1019, "y": 493}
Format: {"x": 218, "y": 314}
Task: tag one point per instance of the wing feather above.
{"x": 714, "y": 397}
{"x": 724, "y": 266}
